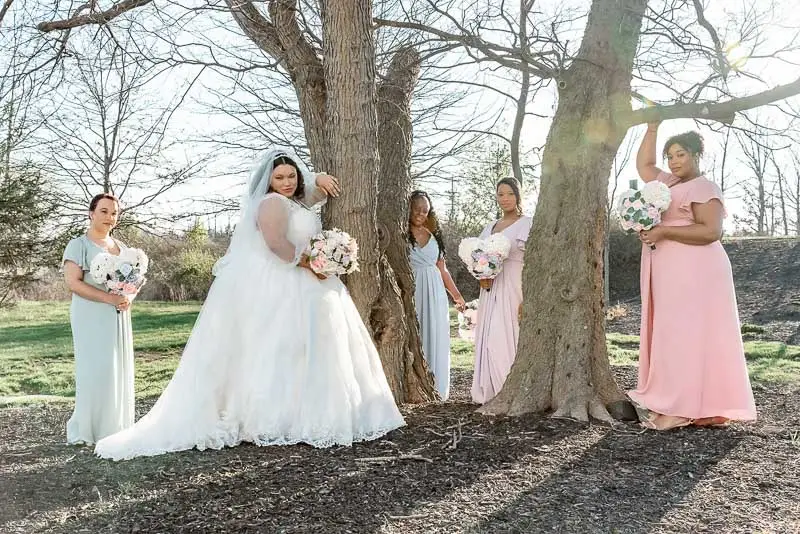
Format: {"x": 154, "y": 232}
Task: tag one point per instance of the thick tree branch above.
{"x": 99, "y": 17}
{"x": 298, "y": 52}
{"x": 261, "y": 31}
{"x": 5, "y": 8}
{"x": 721, "y": 111}
{"x": 494, "y": 52}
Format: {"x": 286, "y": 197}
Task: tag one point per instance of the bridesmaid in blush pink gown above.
{"x": 497, "y": 325}
{"x": 692, "y": 368}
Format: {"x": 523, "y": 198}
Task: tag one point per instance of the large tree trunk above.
{"x": 352, "y": 144}
{"x": 403, "y": 359}
{"x": 562, "y": 364}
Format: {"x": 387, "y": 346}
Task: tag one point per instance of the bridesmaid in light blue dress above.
{"x": 102, "y": 337}
{"x": 431, "y": 278}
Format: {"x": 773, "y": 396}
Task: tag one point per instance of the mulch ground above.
{"x": 450, "y": 470}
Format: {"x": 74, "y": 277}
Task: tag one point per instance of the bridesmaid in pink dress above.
{"x": 497, "y": 325}
{"x": 692, "y": 368}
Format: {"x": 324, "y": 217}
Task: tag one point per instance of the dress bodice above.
{"x": 517, "y": 233}
{"x": 683, "y": 195}
{"x": 304, "y": 223}
{"x": 424, "y": 257}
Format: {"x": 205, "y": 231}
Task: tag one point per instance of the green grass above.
{"x": 36, "y": 358}
{"x": 36, "y": 355}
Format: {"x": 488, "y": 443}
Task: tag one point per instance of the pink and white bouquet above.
{"x": 641, "y": 210}
{"x": 484, "y": 257}
{"x": 332, "y": 253}
{"x": 123, "y": 274}
{"x": 467, "y": 320}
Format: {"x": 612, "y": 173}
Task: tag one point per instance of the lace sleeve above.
{"x": 273, "y": 221}
{"x": 314, "y": 195}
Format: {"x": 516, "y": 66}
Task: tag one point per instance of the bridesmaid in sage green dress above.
{"x": 102, "y": 337}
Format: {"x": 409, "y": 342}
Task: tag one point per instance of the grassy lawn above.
{"x": 36, "y": 350}
{"x": 36, "y": 355}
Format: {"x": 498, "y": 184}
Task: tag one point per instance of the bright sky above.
{"x": 195, "y": 129}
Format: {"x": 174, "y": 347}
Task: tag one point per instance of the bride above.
{"x": 277, "y": 356}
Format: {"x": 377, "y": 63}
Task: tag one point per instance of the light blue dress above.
{"x": 103, "y": 344}
{"x": 433, "y": 312}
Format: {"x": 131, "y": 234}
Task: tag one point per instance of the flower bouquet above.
{"x": 122, "y": 274}
{"x": 484, "y": 257}
{"x": 641, "y": 210}
{"x": 332, "y": 253}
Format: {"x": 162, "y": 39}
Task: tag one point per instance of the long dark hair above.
{"x": 432, "y": 224}
{"x": 300, "y": 191}
{"x": 513, "y": 183}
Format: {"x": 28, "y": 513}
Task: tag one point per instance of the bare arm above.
{"x": 73, "y": 275}
{"x": 706, "y": 229}
{"x": 646, "y": 157}
{"x": 449, "y": 284}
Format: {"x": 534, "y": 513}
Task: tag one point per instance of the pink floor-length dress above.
{"x": 691, "y": 357}
{"x": 497, "y": 325}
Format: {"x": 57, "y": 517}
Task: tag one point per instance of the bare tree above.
{"x": 757, "y": 157}
{"x": 627, "y": 47}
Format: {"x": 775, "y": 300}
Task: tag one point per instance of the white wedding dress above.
{"x": 276, "y": 356}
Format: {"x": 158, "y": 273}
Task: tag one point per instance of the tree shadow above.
{"x": 299, "y": 488}
{"x": 626, "y": 483}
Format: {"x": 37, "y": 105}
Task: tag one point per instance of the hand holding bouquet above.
{"x": 641, "y": 210}
{"x": 331, "y": 253}
{"x": 122, "y": 274}
{"x": 484, "y": 257}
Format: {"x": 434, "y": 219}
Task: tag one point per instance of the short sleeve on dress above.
{"x": 76, "y": 253}
{"x": 522, "y": 231}
{"x": 700, "y": 192}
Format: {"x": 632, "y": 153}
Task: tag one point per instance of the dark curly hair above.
{"x": 690, "y": 141}
{"x": 432, "y": 224}
{"x": 300, "y": 192}
{"x": 513, "y": 183}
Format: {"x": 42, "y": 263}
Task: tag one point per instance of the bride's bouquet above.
{"x": 467, "y": 320}
{"x": 641, "y": 210}
{"x": 484, "y": 257}
{"x": 123, "y": 274}
{"x": 332, "y": 253}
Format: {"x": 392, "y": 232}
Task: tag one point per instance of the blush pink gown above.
{"x": 691, "y": 357}
{"x": 497, "y": 325}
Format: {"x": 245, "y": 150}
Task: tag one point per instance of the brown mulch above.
{"x": 449, "y": 470}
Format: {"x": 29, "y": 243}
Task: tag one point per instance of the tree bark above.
{"x": 404, "y": 362}
{"x": 562, "y": 364}
{"x": 352, "y": 142}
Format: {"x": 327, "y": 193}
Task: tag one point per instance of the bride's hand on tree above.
{"x": 329, "y": 184}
